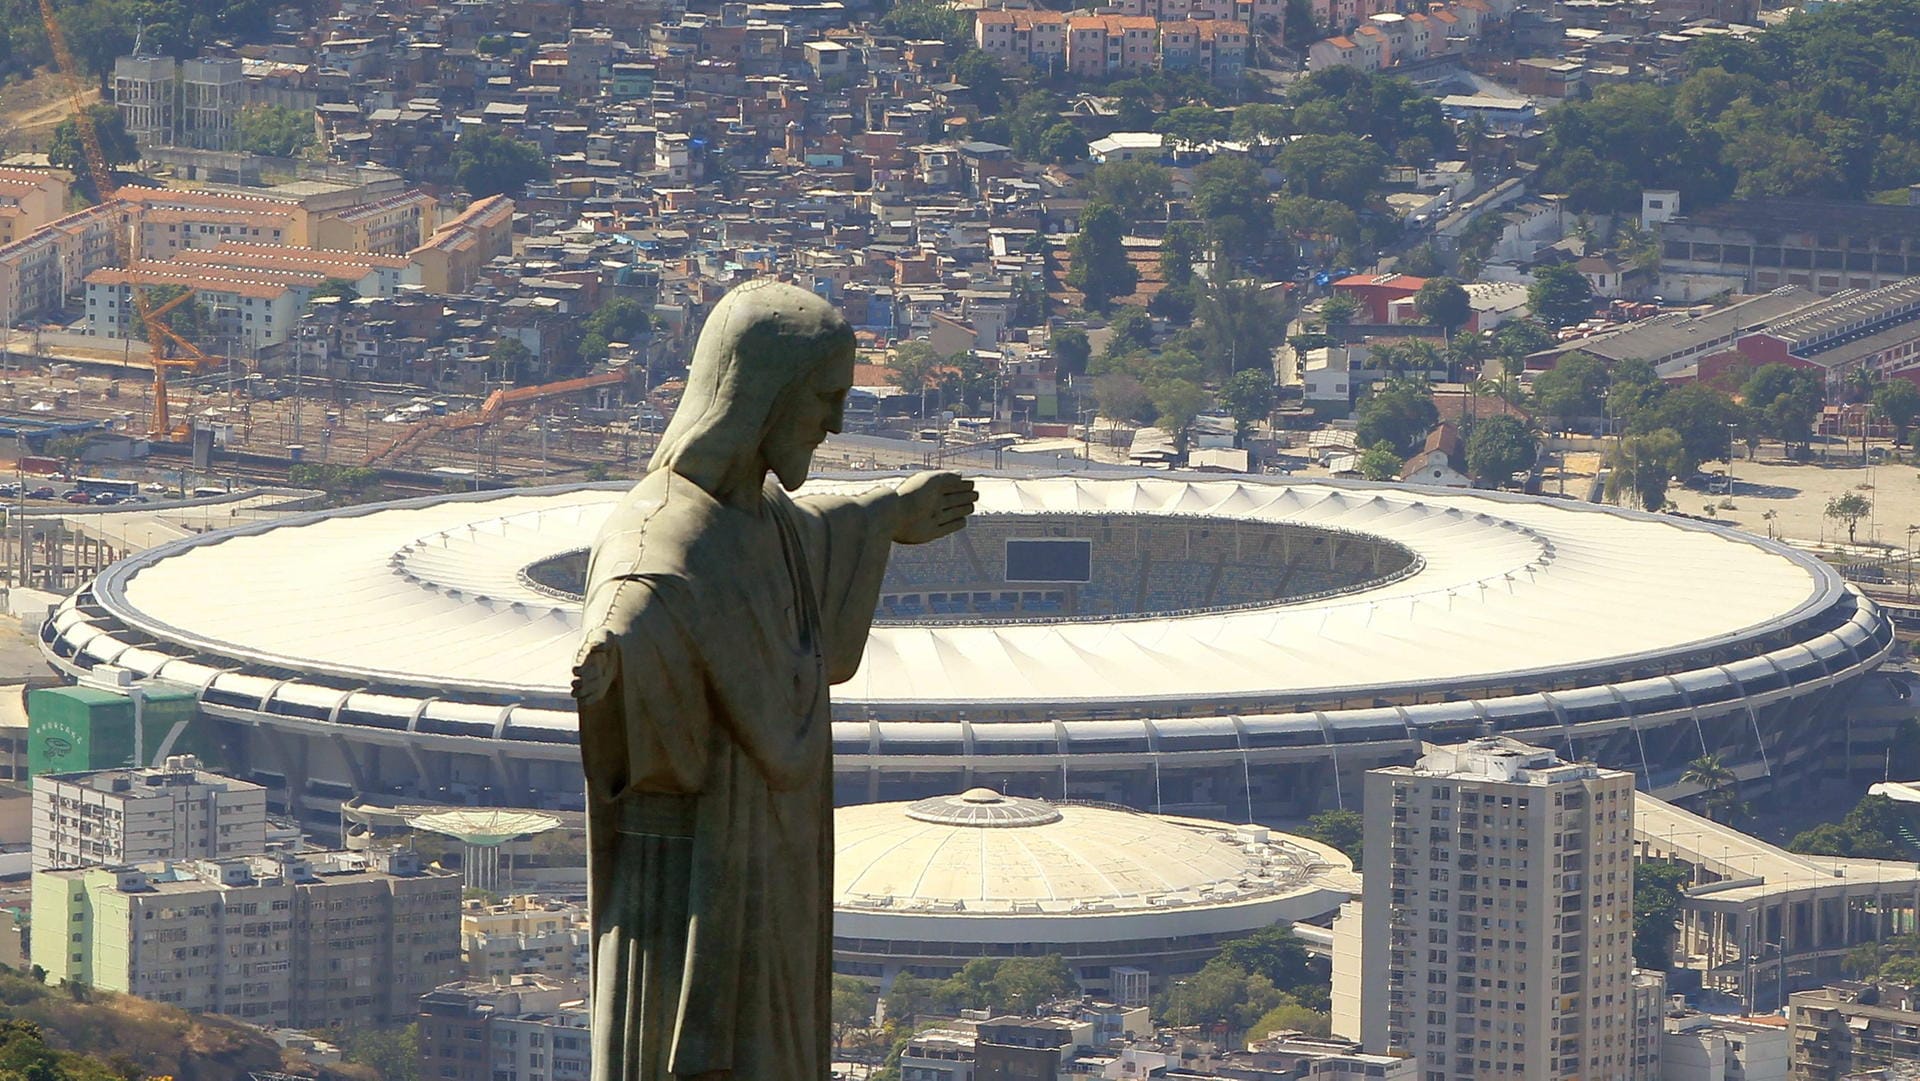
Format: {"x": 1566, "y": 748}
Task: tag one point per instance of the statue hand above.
{"x": 932, "y": 505}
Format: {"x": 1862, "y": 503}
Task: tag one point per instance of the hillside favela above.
{"x": 959, "y": 540}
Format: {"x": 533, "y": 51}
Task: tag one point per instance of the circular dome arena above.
{"x": 1237, "y": 648}
{"x": 923, "y": 886}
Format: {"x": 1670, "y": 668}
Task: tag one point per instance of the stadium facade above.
{"x": 1226, "y": 648}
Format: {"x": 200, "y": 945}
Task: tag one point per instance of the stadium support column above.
{"x": 512, "y": 773}
{"x": 293, "y": 764}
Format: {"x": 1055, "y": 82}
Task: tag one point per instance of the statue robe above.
{"x": 712, "y": 633}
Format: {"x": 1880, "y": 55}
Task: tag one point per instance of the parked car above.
{"x": 106, "y": 499}
{"x": 79, "y": 497}
{"x": 45, "y": 491}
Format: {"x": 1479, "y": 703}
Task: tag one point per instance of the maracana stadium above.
{"x": 1232, "y": 649}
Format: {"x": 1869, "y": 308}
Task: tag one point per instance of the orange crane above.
{"x": 157, "y": 331}
{"x": 489, "y": 412}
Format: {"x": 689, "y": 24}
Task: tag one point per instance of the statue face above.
{"x": 812, "y": 410}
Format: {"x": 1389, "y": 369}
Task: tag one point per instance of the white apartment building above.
{"x": 304, "y": 941}
{"x": 524, "y": 934}
{"x": 1497, "y": 920}
{"x": 119, "y": 816}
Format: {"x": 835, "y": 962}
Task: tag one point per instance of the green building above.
{"x": 70, "y": 729}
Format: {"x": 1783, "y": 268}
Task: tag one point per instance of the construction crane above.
{"x": 489, "y": 412}
{"x": 158, "y": 333}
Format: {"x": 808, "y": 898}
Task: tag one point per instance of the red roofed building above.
{"x": 1378, "y": 292}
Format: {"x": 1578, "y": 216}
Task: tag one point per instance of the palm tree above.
{"x": 1718, "y": 783}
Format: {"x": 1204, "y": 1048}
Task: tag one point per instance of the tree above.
{"x": 1071, "y": 351}
{"x": 276, "y": 131}
{"x": 912, "y": 368}
{"x": 1899, "y": 402}
{"x": 510, "y": 357}
{"x": 1719, "y": 786}
{"x": 1130, "y": 330}
{"x": 1560, "y": 295}
{"x": 1061, "y": 143}
{"x": 1342, "y": 829}
{"x": 1221, "y": 994}
{"x": 1100, "y": 267}
{"x": 1344, "y": 168}
{"x": 1302, "y": 220}
{"x": 336, "y": 287}
{"x": 1023, "y": 984}
{"x": 1699, "y": 414}
{"x": 392, "y": 1051}
{"x": 1192, "y": 126}
{"x": 1178, "y": 250}
{"x": 927, "y": 20}
{"x": 851, "y": 1007}
{"x": 1240, "y": 327}
{"x": 1443, "y": 302}
{"x": 1399, "y": 414}
{"x": 1291, "y": 1017}
{"x": 1120, "y": 397}
{"x": 1659, "y": 887}
{"x": 1255, "y": 123}
{"x": 1176, "y": 402}
{"x": 1282, "y": 959}
{"x": 1380, "y": 462}
{"x": 1576, "y": 386}
{"x": 488, "y": 163}
{"x": 1786, "y": 399}
{"x": 1849, "y": 509}
{"x": 1137, "y": 189}
{"x": 190, "y": 320}
{"x": 1230, "y": 195}
{"x": 1339, "y": 309}
{"x": 1871, "y": 830}
{"x": 1248, "y": 396}
{"x": 982, "y": 72}
{"x": 1642, "y": 465}
{"x": 1499, "y": 447}
{"x": 68, "y": 151}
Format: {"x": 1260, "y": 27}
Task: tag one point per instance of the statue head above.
{"x": 768, "y": 384}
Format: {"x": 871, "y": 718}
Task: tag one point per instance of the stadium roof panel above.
{"x": 426, "y": 598}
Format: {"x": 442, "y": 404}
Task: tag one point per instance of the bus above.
{"x": 96, "y": 485}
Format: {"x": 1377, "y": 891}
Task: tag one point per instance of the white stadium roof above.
{"x": 429, "y": 595}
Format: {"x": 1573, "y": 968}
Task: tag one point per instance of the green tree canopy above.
{"x": 1400, "y": 414}
{"x": 1576, "y": 386}
{"x": 1221, "y": 994}
{"x": 1249, "y": 396}
{"x": 1560, "y": 295}
{"x": 1899, "y": 402}
{"x": 277, "y": 131}
{"x": 1848, "y": 509}
{"x": 1343, "y": 829}
{"x": 1659, "y": 887}
{"x": 1192, "y": 125}
{"x": 1443, "y": 302}
{"x": 1100, "y": 268}
{"x": 1276, "y": 954}
{"x": 1071, "y": 351}
{"x": 1231, "y": 197}
{"x": 1343, "y": 168}
{"x": 68, "y": 151}
{"x": 1871, "y": 830}
{"x": 927, "y": 20}
{"x": 1499, "y": 447}
{"x": 1380, "y": 462}
{"x": 490, "y": 163}
{"x": 1786, "y": 400}
{"x": 1137, "y": 189}
{"x": 1641, "y": 466}
{"x": 1699, "y": 415}
{"x": 1241, "y": 325}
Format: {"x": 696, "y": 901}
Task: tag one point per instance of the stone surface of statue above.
{"x": 718, "y": 611}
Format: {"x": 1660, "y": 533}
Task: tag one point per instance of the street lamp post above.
{"x": 1911, "y": 530}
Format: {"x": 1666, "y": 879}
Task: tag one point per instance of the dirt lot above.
{"x": 30, "y": 110}
{"x": 1796, "y": 493}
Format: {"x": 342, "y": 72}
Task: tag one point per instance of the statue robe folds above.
{"x": 713, "y": 632}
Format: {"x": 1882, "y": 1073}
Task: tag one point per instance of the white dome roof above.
{"x": 982, "y": 852}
